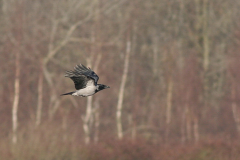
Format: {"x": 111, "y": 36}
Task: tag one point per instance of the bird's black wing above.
{"x": 81, "y": 75}
{"x": 80, "y": 81}
{"x": 81, "y": 69}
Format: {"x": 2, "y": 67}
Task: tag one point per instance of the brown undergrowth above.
{"x": 41, "y": 147}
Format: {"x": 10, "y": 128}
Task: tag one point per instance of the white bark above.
{"x": 87, "y": 118}
{"x": 88, "y": 115}
{"x": 121, "y": 90}
{"x": 96, "y": 104}
{"x": 16, "y": 99}
{"x": 40, "y": 97}
{"x": 89, "y": 109}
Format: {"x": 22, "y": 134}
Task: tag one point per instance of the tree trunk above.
{"x": 183, "y": 127}
{"x": 88, "y": 115}
{"x": 16, "y": 98}
{"x": 17, "y": 40}
{"x": 195, "y": 129}
{"x": 205, "y": 36}
{"x": 169, "y": 106}
{"x": 40, "y": 97}
{"x": 236, "y": 115}
{"x": 88, "y": 119}
{"x": 155, "y": 61}
{"x": 188, "y": 124}
{"x": 54, "y": 101}
{"x": 188, "y": 117}
{"x": 205, "y": 49}
{"x": 96, "y": 103}
{"x": 97, "y": 120}
{"x": 121, "y": 90}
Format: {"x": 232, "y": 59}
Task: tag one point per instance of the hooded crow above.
{"x": 85, "y": 81}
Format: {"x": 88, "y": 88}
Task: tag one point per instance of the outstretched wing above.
{"x": 80, "y": 81}
{"x": 82, "y": 70}
{"x": 81, "y": 75}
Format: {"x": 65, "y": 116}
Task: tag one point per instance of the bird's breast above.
{"x": 88, "y": 91}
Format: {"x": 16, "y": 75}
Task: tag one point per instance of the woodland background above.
{"x": 172, "y": 65}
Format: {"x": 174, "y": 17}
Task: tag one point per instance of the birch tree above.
{"x": 16, "y": 39}
{"x": 88, "y": 116}
{"x": 40, "y": 96}
{"x": 122, "y": 88}
{"x": 16, "y": 97}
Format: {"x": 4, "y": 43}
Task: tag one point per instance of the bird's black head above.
{"x": 101, "y": 87}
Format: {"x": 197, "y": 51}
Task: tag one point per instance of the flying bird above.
{"x": 85, "y": 81}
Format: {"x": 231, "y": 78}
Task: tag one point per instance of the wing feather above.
{"x": 81, "y": 75}
{"x": 82, "y": 70}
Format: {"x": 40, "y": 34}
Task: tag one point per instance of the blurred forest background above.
{"x": 172, "y": 65}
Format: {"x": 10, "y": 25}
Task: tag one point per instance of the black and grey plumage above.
{"x": 85, "y": 81}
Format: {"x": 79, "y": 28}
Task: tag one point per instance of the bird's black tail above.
{"x": 70, "y": 93}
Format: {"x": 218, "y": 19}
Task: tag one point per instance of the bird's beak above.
{"x": 107, "y": 87}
